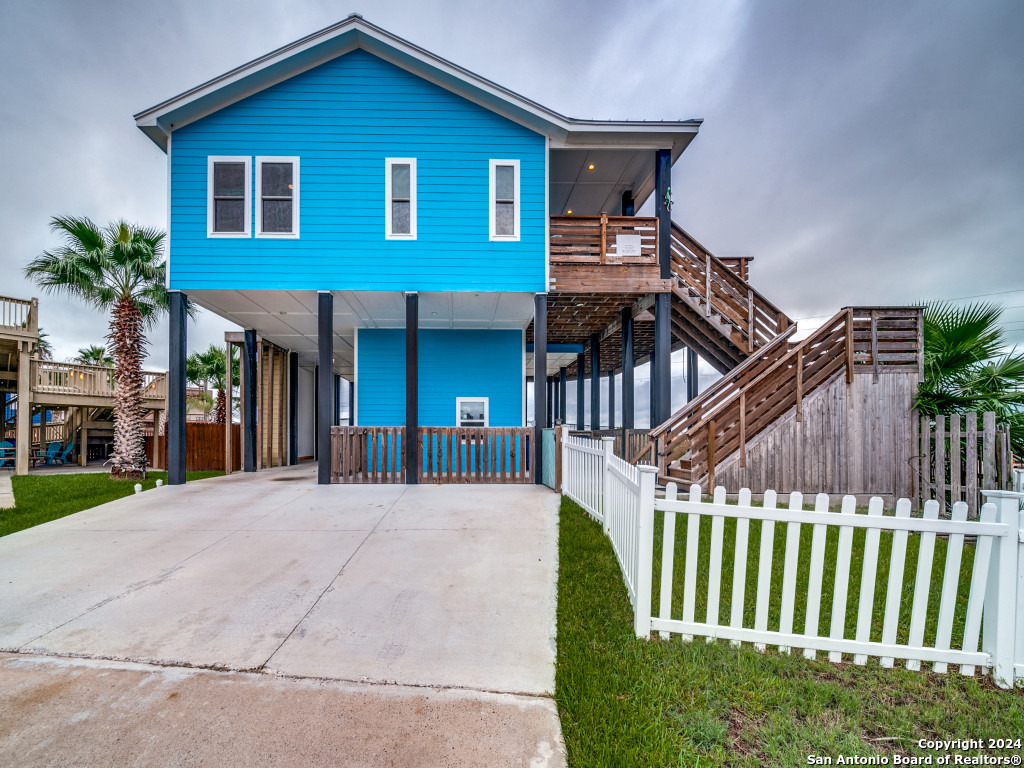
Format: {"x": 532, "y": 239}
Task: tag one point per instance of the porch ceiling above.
{"x": 289, "y": 318}
{"x": 575, "y": 187}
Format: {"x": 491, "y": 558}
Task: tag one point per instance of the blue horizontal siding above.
{"x": 342, "y": 119}
{"x": 452, "y": 363}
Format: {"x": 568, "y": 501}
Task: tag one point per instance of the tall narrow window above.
{"x": 228, "y": 184}
{"x": 400, "y": 198}
{"x": 277, "y": 193}
{"x": 504, "y": 199}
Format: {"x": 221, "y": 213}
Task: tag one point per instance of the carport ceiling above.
{"x": 289, "y": 318}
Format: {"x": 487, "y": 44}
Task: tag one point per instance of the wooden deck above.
{"x": 72, "y": 384}
{"x": 605, "y": 254}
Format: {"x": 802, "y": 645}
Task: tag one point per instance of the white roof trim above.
{"x": 354, "y": 32}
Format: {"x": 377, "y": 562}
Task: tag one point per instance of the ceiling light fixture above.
{"x": 569, "y": 212}
{"x": 590, "y": 167}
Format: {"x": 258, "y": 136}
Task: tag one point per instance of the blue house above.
{"x": 380, "y": 215}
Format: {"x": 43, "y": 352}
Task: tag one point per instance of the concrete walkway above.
{"x": 341, "y": 625}
{"x": 6, "y": 491}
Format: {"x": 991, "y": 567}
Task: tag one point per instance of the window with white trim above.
{"x": 228, "y": 181}
{"x": 471, "y": 411}
{"x": 504, "y": 199}
{"x": 277, "y": 197}
{"x": 400, "y": 198}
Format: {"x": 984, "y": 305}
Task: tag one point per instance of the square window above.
{"x": 277, "y": 195}
{"x": 227, "y": 205}
{"x": 471, "y": 411}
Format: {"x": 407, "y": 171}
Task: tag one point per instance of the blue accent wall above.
{"x": 342, "y": 119}
{"x": 453, "y": 363}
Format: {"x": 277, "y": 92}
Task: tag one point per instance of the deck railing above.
{"x": 76, "y": 380}
{"x": 19, "y": 316}
{"x": 604, "y": 240}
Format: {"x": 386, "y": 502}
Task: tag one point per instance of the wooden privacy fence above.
{"x": 204, "y": 447}
{"x": 475, "y": 455}
{"x": 368, "y": 454}
{"x": 957, "y": 459}
{"x": 909, "y": 622}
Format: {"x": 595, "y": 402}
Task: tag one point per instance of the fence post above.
{"x": 644, "y": 551}
{"x": 1003, "y": 636}
{"x": 608, "y": 449}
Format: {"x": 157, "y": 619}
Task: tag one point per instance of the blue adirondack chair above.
{"x": 6, "y": 454}
{"x": 51, "y": 453}
{"x": 66, "y": 453}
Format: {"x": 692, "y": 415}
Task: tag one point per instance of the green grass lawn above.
{"x": 41, "y": 498}
{"x": 629, "y": 702}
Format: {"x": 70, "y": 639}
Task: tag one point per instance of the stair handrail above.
{"x": 730, "y": 378}
{"x": 744, "y": 290}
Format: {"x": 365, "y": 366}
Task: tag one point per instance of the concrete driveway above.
{"x": 340, "y": 625}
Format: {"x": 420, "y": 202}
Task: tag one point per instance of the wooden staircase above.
{"x": 766, "y": 375}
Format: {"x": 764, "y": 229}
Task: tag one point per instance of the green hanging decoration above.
{"x": 668, "y": 199}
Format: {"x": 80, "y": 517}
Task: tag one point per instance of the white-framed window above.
{"x": 228, "y": 185}
{"x": 400, "y": 198}
{"x": 504, "y": 199}
{"x": 472, "y": 412}
{"x": 277, "y": 197}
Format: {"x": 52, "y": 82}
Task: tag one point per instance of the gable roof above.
{"x": 356, "y": 33}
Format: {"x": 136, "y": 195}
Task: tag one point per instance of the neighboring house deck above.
{"x": 82, "y": 394}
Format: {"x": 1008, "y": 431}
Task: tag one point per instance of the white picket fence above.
{"x": 622, "y": 498}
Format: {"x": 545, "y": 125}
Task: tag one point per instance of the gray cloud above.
{"x": 862, "y": 152}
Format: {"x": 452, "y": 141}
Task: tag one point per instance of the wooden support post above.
{"x": 874, "y": 344}
{"x": 595, "y": 382}
{"x": 293, "y": 407}
{"x": 23, "y": 426}
{"x": 604, "y": 237}
{"x": 176, "y": 389}
{"x": 250, "y": 445}
{"x": 229, "y": 367}
{"x": 157, "y": 458}
{"x": 988, "y": 455}
{"x": 800, "y": 384}
{"x": 540, "y": 371}
{"x": 751, "y": 335}
{"x": 325, "y": 374}
{"x": 270, "y": 398}
{"x": 412, "y": 387}
{"x": 628, "y": 386}
{"x": 743, "y": 428}
{"x": 849, "y": 349}
{"x": 707, "y": 284}
{"x": 711, "y": 455}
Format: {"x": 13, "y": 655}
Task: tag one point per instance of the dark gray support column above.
{"x": 652, "y": 385}
{"x": 540, "y": 372}
{"x": 628, "y": 206}
{"x": 412, "y": 387}
{"x": 561, "y": 394}
{"x": 351, "y": 403}
{"x": 336, "y": 420}
{"x": 249, "y": 402}
{"x": 692, "y": 383}
{"x": 611, "y": 399}
{"x": 595, "y": 382}
{"x": 325, "y": 378}
{"x": 581, "y": 415}
{"x": 661, "y": 373}
{"x": 316, "y": 412}
{"x": 293, "y": 403}
{"x": 628, "y": 391}
{"x": 175, "y": 389}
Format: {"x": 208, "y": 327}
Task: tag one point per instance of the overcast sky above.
{"x": 862, "y": 152}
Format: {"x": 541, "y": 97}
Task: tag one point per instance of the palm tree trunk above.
{"x": 128, "y": 460}
{"x": 220, "y": 412}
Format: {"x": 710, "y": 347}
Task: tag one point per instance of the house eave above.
{"x": 354, "y": 32}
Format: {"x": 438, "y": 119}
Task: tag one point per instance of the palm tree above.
{"x": 94, "y": 354}
{"x": 118, "y": 269}
{"x": 208, "y": 368}
{"x": 43, "y": 346}
{"x": 967, "y": 367}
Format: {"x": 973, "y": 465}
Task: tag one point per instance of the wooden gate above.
{"x": 367, "y": 454}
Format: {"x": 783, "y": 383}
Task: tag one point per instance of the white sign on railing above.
{"x": 622, "y": 498}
